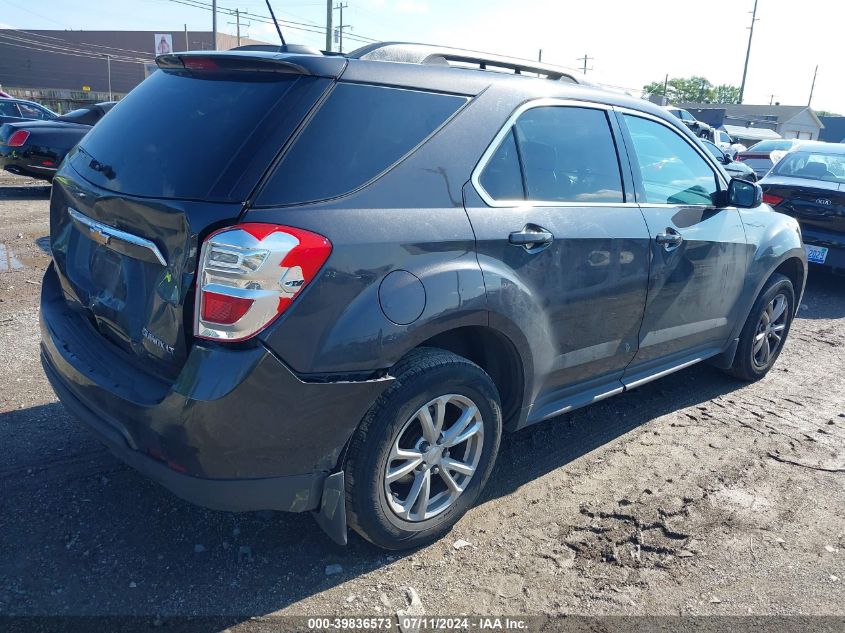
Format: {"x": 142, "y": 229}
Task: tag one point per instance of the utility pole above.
{"x": 187, "y": 46}
{"x": 585, "y": 59}
{"x": 328, "y": 26}
{"x": 237, "y": 24}
{"x": 666, "y": 86}
{"x": 540, "y": 56}
{"x": 214, "y": 24}
{"x": 748, "y": 52}
{"x": 339, "y": 29}
{"x": 108, "y": 62}
{"x": 772, "y": 100}
{"x": 813, "y": 87}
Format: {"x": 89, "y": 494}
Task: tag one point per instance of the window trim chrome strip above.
{"x": 475, "y": 178}
{"x": 107, "y": 233}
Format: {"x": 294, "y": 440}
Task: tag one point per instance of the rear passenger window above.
{"x": 567, "y": 155}
{"x": 359, "y": 132}
{"x": 672, "y": 171}
{"x": 502, "y": 177}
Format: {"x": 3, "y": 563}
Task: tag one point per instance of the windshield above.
{"x": 812, "y": 166}
{"x": 770, "y": 146}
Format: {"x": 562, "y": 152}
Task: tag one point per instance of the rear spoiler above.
{"x": 253, "y": 62}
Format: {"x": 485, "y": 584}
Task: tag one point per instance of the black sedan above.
{"x": 36, "y": 148}
{"x": 16, "y": 110}
{"x": 809, "y": 184}
{"x": 735, "y": 169}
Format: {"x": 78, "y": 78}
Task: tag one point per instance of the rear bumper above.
{"x": 834, "y": 242}
{"x": 237, "y": 430}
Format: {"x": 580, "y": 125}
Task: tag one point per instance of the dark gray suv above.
{"x": 322, "y": 283}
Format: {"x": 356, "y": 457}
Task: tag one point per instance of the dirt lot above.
{"x": 692, "y": 495}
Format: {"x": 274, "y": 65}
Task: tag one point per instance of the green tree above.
{"x": 726, "y": 94}
{"x": 693, "y": 89}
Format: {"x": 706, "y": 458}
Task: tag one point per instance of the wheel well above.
{"x": 495, "y": 354}
{"x": 793, "y": 268}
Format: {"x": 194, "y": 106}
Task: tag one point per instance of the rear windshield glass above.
{"x": 812, "y": 166}
{"x": 358, "y": 133}
{"x": 770, "y": 146}
{"x": 175, "y": 134}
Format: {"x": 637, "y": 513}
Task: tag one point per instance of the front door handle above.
{"x": 532, "y": 238}
{"x": 670, "y": 239}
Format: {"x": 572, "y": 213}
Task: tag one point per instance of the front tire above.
{"x": 765, "y": 331}
{"x": 424, "y": 451}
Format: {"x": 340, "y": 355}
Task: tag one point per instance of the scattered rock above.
{"x": 350, "y": 598}
{"x": 509, "y": 585}
{"x": 715, "y": 600}
{"x": 133, "y": 584}
{"x": 333, "y": 569}
{"x": 414, "y": 609}
{"x": 461, "y": 543}
{"x": 831, "y": 549}
{"x": 385, "y": 600}
{"x": 834, "y": 578}
{"x": 199, "y": 548}
{"x": 684, "y": 553}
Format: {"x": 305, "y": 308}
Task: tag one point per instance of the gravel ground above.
{"x": 692, "y": 495}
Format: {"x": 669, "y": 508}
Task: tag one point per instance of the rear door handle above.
{"x": 670, "y": 239}
{"x": 532, "y": 238}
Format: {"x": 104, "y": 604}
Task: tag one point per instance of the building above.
{"x": 752, "y": 123}
{"x": 91, "y": 61}
{"x": 834, "y": 129}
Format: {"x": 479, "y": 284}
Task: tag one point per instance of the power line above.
{"x": 68, "y": 48}
{"x": 289, "y": 24}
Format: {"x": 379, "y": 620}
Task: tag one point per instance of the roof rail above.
{"x": 413, "y": 53}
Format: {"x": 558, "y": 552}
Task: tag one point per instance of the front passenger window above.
{"x": 672, "y": 171}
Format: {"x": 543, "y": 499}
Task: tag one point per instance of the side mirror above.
{"x": 728, "y": 160}
{"x": 744, "y": 194}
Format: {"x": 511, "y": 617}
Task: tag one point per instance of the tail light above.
{"x": 18, "y": 138}
{"x": 771, "y": 199}
{"x": 739, "y": 158}
{"x": 249, "y": 274}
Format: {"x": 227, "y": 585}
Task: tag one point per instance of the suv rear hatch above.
{"x": 176, "y": 159}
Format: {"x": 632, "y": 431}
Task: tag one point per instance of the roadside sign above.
{"x": 163, "y": 44}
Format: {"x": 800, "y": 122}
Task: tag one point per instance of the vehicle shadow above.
{"x": 85, "y": 535}
{"x": 823, "y": 296}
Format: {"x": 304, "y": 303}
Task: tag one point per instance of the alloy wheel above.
{"x": 434, "y": 457}
{"x": 768, "y": 337}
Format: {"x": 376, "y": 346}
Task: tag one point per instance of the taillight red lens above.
{"x": 249, "y": 274}
{"x": 18, "y": 138}
{"x": 223, "y": 309}
{"x": 772, "y": 199}
{"x": 199, "y": 63}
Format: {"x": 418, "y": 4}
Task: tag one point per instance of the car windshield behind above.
{"x": 812, "y": 166}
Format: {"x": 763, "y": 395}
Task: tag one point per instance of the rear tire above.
{"x": 401, "y": 450}
{"x": 765, "y": 330}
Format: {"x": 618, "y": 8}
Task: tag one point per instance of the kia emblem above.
{"x": 823, "y": 201}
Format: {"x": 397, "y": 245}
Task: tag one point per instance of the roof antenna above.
{"x": 278, "y": 30}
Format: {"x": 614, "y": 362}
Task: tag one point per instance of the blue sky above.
{"x": 633, "y": 42}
